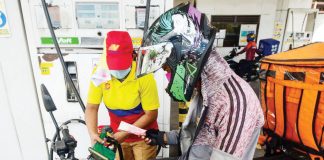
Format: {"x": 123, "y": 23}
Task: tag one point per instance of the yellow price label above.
{"x": 45, "y": 71}
{"x": 45, "y": 68}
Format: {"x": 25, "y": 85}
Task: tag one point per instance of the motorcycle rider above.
{"x": 231, "y": 115}
{"x": 246, "y": 65}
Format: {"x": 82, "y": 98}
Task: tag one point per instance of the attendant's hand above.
{"x": 120, "y": 136}
{"x": 96, "y": 138}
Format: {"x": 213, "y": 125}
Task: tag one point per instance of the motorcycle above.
{"x": 248, "y": 70}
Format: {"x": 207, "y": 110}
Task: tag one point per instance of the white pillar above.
{"x": 22, "y": 135}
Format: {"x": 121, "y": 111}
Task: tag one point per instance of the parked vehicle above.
{"x": 245, "y": 69}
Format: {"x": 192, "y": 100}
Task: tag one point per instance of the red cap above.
{"x": 119, "y": 48}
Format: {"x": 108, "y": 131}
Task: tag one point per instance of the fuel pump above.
{"x": 65, "y": 147}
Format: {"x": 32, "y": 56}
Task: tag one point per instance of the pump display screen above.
{"x": 97, "y": 15}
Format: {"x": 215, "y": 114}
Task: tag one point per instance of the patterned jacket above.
{"x": 234, "y": 116}
{"x": 234, "y": 110}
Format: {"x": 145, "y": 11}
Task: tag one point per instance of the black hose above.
{"x": 56, "y": 126}
{"x": 57, "y": 47}
{"x": 51, "y": 156}
{"x": 120, "y": 152}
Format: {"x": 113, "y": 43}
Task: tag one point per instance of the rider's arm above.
{"x": 240, "y": 52}
{"x": 155, "y": 137}
{"x": 258, "y": 52}
{"x": 244, "y": 49}
{"x": 171, "y": 137}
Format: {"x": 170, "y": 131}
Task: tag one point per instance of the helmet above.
{"x": 250, "y": 37}
{"x": 180, "y": 39}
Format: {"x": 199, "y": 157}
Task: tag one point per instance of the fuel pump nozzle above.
{"x": 103, "y": 151}
{"x": 65, "y": 146}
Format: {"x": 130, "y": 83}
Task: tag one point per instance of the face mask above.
{"x": 120, "y": 74}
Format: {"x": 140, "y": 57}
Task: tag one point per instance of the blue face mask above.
{"x": 120, "y": 74}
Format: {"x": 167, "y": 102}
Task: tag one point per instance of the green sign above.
{"x": 60, "y": 40}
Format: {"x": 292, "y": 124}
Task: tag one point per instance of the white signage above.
{"x": 245, "y": 30}
{"x": 4, "y": 26}
{"x": 103, "y": 15}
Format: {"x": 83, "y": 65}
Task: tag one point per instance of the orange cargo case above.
{"x": 292, "y": 97}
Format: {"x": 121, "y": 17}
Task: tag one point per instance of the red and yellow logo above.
{"x": 113, "y": 47}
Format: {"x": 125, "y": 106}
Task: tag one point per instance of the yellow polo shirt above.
{"x": 128, "y": 94}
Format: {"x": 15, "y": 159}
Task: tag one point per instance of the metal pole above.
{"x": 284, "y": 33}
{"x": 57, "y": 47}
{"x": 147, "y": 18}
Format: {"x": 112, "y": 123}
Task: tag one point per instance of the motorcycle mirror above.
{"x": 47, "y": 99}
